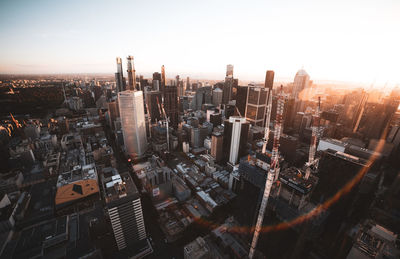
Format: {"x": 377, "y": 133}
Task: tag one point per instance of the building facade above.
{"x": 133, "y": 122}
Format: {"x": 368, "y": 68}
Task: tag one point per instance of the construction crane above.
{"x": 267, "y": 122}
{"x": 148, "y": 118}
{"x": 161, "y": 108}
{"x": 272, "y": 173}
{"x": 314, "y": 137}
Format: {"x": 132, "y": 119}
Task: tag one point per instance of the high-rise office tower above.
{"x": 152, "y": 104}
{"x": 188, "y": 84}
{"x": 230, "y": 85}
{"x": 156, "y": 81}
{"x": 217, "y": 96}
{"x": 124, "y": 207}
{"x": 171, "y": 104}
{"x": 301, "y": 82}
{"x": 235, "y": 138}
{"x": 163, "y": 80}
{"x": 157, "y": 76}
{"x": 119, "y": 76}
{"x": 269, "y": 79}
{"x": 252, "y": 103}
{"x": 131, "y": 110}
{"x": 202, "y": 96}
{"x": 229, "y": 71}
{"x": 113, "y": 113}
{"x": 216, "y": 145}
{"x": 143, "y": 83}
{"x": 256, "y": 105}
{"x": 131, "y": 74}
{"x": 179, "y": 84}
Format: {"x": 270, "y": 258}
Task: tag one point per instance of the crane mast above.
{"x": 166, "y": 120}
{"x": 272, "y": 173}
{"x": 148, "y": 118}
{"x": 267, "y": 122}
{"x": 314, "y": 137}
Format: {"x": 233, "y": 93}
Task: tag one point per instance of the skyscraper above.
{"x": 235, "y": 138}
{"x": 202, "y": 96}
{"x": 163, "y": 80}
{"x": 229, "y": 70}
{"x": 153, "y": 109}
{"x": 131, "y": 74}
{"x": 119, "y": 76}
{"x": 156, "y": 81}
{"x": 217, "y": 96}
{"x": 269, "y": 79}
{"x": 124, "y": 207}
{"x": 230, "y": 85}
{"x": 179, "y": 85}
{"x": 133, "y": 122}
{"x": 171, "y": 104}
{"x": 256, "y": 105}
{"x": 188, "y": 84}
{"x": 301, "y": 82}
{"x": 216, "y": 145}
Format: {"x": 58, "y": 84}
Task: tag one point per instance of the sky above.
{"x": 354, "y": 41}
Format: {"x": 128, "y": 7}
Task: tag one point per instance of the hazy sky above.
{"x": 334, "y": 40}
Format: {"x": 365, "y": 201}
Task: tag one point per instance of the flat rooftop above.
{"x": 294, "y": 177}
{"x": 348, "y": 157}
{"x": 78, "y": 173}
{"x": 117, "y": 185}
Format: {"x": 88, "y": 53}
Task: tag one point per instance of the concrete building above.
{"x": 217, "y": 146}
{"x": 113, "y": 113}
{"x": 374, "y": 241}
{"x": 124, "y": 208}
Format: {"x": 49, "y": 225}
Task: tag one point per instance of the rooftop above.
{"x": 116, "y": 185}
{"x": 294, "y": 178}
{"x": 78, "y": 173}
{"x": 350, "y": 158}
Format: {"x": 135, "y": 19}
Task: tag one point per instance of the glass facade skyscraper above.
{"x": 133, "y": 122}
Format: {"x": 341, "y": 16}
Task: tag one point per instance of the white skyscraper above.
{"x": 133, "y": 122}
{"x": 301, "y": 82}
{"x": 237, "y": 123}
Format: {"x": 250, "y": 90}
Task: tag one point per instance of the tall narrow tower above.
{"x": 228, "y": 85}
{"x": 269, "y": 79}
{"x": 163, "y": 81}
{"x": 124, "y": 208}
{"x": 272, "y": 174}
{"x": 131, "y": 74}
{"x": 119, "y": 76}
{"x": 269, "y": 82}
{"x": 314, "y": 138}
{"x": 131, "y": 110}
{"x": 188, "y": 84}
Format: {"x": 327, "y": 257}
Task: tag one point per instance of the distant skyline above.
{"x": 353, "y": 41}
